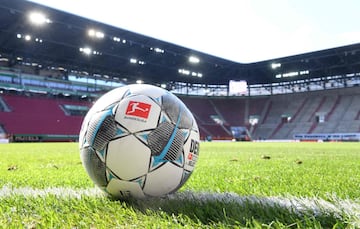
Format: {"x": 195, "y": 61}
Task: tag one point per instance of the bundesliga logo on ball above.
{"x": 138, "y": 109}
{"x": 139, "y": 141}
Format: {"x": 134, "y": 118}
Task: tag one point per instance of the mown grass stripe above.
{"x": 60, "y": 192}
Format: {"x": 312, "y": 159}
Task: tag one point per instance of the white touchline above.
{"x": 298, "y": 205}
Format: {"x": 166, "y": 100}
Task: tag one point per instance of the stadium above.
{"x": 53, "y": 68}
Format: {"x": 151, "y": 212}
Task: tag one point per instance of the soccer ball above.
{"x": 139, "y": 140}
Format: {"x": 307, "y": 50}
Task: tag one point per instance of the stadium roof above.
{"x": 59, "y": 39}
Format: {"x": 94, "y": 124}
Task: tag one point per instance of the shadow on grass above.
{"x": 233, "y": 210}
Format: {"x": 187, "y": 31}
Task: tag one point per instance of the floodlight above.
{"x": 99, "y": 34}
{"x": 86, "y": 50}
{"x": 91, "y": 32}
{"x": 27, "y": 37}
{"x": 275, "y": 65}
{"x": 184, "y": 71}
{"x": 159, "y": 50}
{"x": 38, "y": 18}
{"x": 117, "y": 39}
{"x": 193, "y": 59}
{"x": 96, "y": 34}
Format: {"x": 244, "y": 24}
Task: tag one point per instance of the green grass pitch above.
{"x": 234, "y": 185}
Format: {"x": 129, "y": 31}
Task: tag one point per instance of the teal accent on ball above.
{"x": 160, "y": 158}
{"x": 107, "y": 113}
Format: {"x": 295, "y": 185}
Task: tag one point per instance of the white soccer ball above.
{"x": 139, "y": 140}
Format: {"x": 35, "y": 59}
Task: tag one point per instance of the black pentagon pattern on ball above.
{"x": 173, "y": 112}
{"x": 159, "y": 138}
{"x": 163, "y": 140}
{"x": 94, "y": 166}
{"x": 101, "y": 129}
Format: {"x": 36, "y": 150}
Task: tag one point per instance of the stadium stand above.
{"x": 232, "y": 110}
{"x": 280, "y": 116}
{"x": 38, "y": 115}
{"x": 47, "y": 82}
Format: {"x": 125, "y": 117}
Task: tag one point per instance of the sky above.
{"x": 244, "y": 31}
